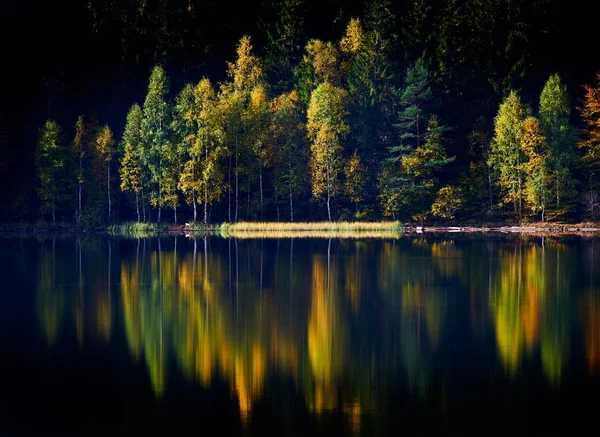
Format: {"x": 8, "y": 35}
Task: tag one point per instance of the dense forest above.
{"x": 417, "y": 111}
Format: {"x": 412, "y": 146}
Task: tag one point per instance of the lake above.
{"x": 421, "y": 335}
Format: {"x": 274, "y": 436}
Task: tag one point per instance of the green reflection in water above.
{"x": 345, "y": 321}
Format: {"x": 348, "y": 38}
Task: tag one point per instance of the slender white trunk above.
{"x": 108, "y": 191}
{"x": 261, "y": 190}
{"x": 194, "y": 202}
{"x": 137, "y": 206}
{"x": 229, "y": 207}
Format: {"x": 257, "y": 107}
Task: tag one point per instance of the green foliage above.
{"x": 448, "y": 201}
{"x": 287, "y": 134}
{"x": 326, "y": 128}
{"x": 535, "y": 148}
{"x": 506, "y": 156}
{"x": 51, "y": 164}
{"x": 155, "y": 134}
{"x": 283, "y": 51}
{"x": 555, "y": 113}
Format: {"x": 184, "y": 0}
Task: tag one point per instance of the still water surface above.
{"x": 464, "y": 335}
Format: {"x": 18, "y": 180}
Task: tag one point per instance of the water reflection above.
{"x": 347, "y": 323}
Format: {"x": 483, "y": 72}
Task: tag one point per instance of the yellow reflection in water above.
{"x": 529, "y": 308}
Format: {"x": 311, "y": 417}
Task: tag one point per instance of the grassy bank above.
{"x": 312, "y": 230}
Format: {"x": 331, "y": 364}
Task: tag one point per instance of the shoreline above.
{"x": 305, "y": 229}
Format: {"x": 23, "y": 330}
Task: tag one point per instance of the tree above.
{"x": 201, "y": 128}
{"x": 355, "y": 184}
{"x": 327, "y": 128}
{"x": 105, "y": 151}
{"x": 78, "y": 149}
{"x": 590, "y": 143}
{"x": 320, "y": 63}
{"x": 244, "y": 75}
{"x": 185, "y": 126}
{"x": 418, "y": 169}
{"x": 290, "y": 154}
{"x": 365, "y": 50}
{"x": 51, "y": 168}
{"x": 155, "y": 134}
{"x": 555, "y": 112}
{"x": 257, "y": 120}
{"x": 478, "y": 184}
{"x": 506, "y": 155}
{"x": 415, "y": 100}
{"x": 283, "y": 50}
{"x": 448, "y": 201}
{"x": 131, "y": 172}
{"x": 535, "y": 149}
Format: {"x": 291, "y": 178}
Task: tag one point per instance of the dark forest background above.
{"x": 63, "y": 59}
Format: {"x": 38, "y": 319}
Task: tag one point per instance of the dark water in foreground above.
{"x": 418, "y": 336}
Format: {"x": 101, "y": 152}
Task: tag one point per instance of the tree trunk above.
{"x": 159, "y": 205}
{"x": 143, "y": 205}
{"x": 137, "y": 207}
{"x": 229, "y": 208}
{"x": 291, "y": 202}
{"x": 237, "y": 186}
{"x": 261, "y": 190}
{"x": 79, "y": 203}
{"x": 328, "y": 206}
{"x": 490, "y": 187}
{"x": 205, "y": 205}
{"x": 108, "y": 191}
{"x": 175, "y": 212}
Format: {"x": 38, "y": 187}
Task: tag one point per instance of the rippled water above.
{"x": 481, "y": 335}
